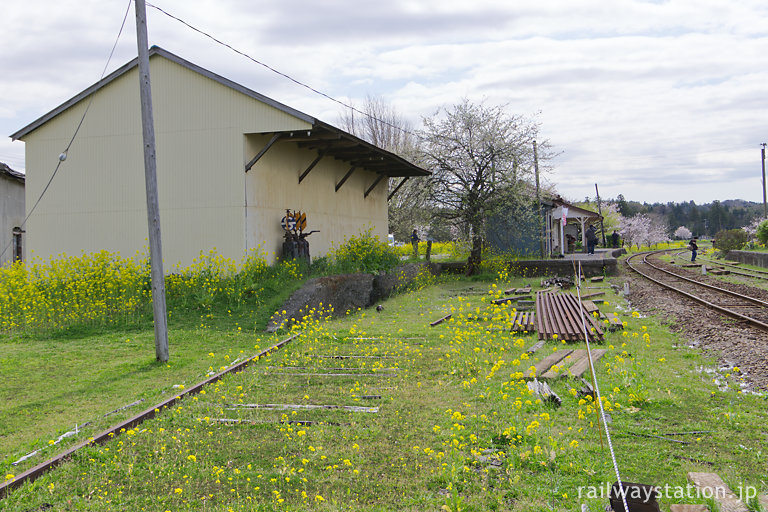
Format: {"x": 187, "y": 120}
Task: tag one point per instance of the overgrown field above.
{"x": 435, "y": 418}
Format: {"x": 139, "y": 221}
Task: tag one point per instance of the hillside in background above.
{"x": 703, "y": 220}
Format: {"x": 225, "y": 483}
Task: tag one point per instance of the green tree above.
{"x": 474, "y": 152}
{"x": 731, "y": 239}
{"x": 382, "y": 125}
{"x": 762, "y": 232}
{"x": 623, "y": 205}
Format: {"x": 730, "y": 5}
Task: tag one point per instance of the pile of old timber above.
{"x": 524, "y": 321}
{"x": 560, "y": 316}
{"x": 565, "y": 363}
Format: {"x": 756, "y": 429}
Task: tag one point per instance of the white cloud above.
{"x": 655, "y": 100}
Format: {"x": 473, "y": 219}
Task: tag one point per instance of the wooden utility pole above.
{"x": 765, "y": 205}
{"x": 600, "y": 212}
{"x": 538, "y": 201}
{"x": 150, "y": 180}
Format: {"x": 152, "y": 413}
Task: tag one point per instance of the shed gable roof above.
{"x": 337, "y": 143}
{"x": 7, "y": 171}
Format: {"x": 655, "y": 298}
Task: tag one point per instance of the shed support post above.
{"x": 370, "y": 189}
{"x": 561, "y": 229}
{"x": 392, "y": 194}
{"x": 345, "y": 178}
{"x": 260, "y": 154}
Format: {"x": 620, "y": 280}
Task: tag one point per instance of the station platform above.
{"x": 603, "y": 262}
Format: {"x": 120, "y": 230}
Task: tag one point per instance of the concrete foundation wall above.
{"x": 547, "y": 268}
{"x": 342, "y": 293}
{"x": 759, "y": 259}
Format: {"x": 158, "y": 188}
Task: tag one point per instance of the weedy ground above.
{"x": 443, "y": 420}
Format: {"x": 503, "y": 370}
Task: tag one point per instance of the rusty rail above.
{"x": 32, "y": 474}
{"x": 729, "y": 312}
{"x": 440, "y": 320}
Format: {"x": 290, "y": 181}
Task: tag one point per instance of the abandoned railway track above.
{"x": 741, "y": 306}
{"x": 35, "y": 472}
{"x": 736, "y": 270}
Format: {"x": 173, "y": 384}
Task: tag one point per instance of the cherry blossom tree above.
{"x": 683, "y": 233}
{"x": 478, "y": 155}
{"x": 643, "y": 229}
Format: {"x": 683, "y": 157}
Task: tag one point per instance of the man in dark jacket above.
{"x": 591, "y": 239}
{"x": 694, "y": 247}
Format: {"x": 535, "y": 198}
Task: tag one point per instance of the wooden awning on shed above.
{"x": 330, "y": 141}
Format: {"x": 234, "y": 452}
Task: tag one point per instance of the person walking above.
{"x": 415, "y": 243}
{"x": 591, "y": 236}
{"x": 694, "y": 247}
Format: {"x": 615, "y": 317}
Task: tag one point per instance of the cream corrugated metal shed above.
{"x": 11, "y": 215}
{"x": 214, "y": 193}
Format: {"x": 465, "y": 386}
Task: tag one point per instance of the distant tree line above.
{"x": 702, "y": 220}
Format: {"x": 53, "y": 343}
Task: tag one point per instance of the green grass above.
{"x": 709, "y": 261}
{"x": 55, "y": 380}
{"x": 456, "y": 428}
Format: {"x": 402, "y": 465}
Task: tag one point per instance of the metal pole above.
{"x": 538, "y": 201}
{"x": 765, "y": 205}
{"x": 150, "y": 180}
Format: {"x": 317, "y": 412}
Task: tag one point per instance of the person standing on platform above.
{"x": 591, "y": 236}
{"x": 415, "y": 243}
{"x": 615, "y": 239}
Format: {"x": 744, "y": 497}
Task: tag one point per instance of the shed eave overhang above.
{"x": 336, "y": 143}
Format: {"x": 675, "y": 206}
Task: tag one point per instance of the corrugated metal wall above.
{"x": 273, "y": 186}
{"x": 11, "y": 215}
{"x": 97, "y": 200}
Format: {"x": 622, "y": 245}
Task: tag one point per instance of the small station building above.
{"x": 565, "y": 223}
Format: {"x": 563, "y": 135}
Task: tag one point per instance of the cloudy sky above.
{"x": 655, "y": 100}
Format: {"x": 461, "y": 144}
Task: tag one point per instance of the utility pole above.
{"x": 600, "y": 212}
{"x": 538, "y": 201}
{"x": 765, "y": 205}
{"x": 150, "y": 180}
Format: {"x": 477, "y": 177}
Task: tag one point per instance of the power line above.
{"x": 63, "y": 155}
{"x": 284, "y": 75}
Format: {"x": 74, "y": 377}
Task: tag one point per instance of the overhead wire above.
{"x": 280, "y": 73}
{"x": 621, "y": 491}
{"x": 63, "y": 154}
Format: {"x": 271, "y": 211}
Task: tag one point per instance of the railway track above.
{"x": 32, "y": 474}
{"x": 743, "y": 307}
{"x": 736, "y": 269}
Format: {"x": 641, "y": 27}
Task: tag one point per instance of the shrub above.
{"x": 95, "y": 289}
{"x": 104, "y": 289}
{"x": 762, "y": 232}
{"x": 363, "y": 253}
{"x": 731, "y": 239}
